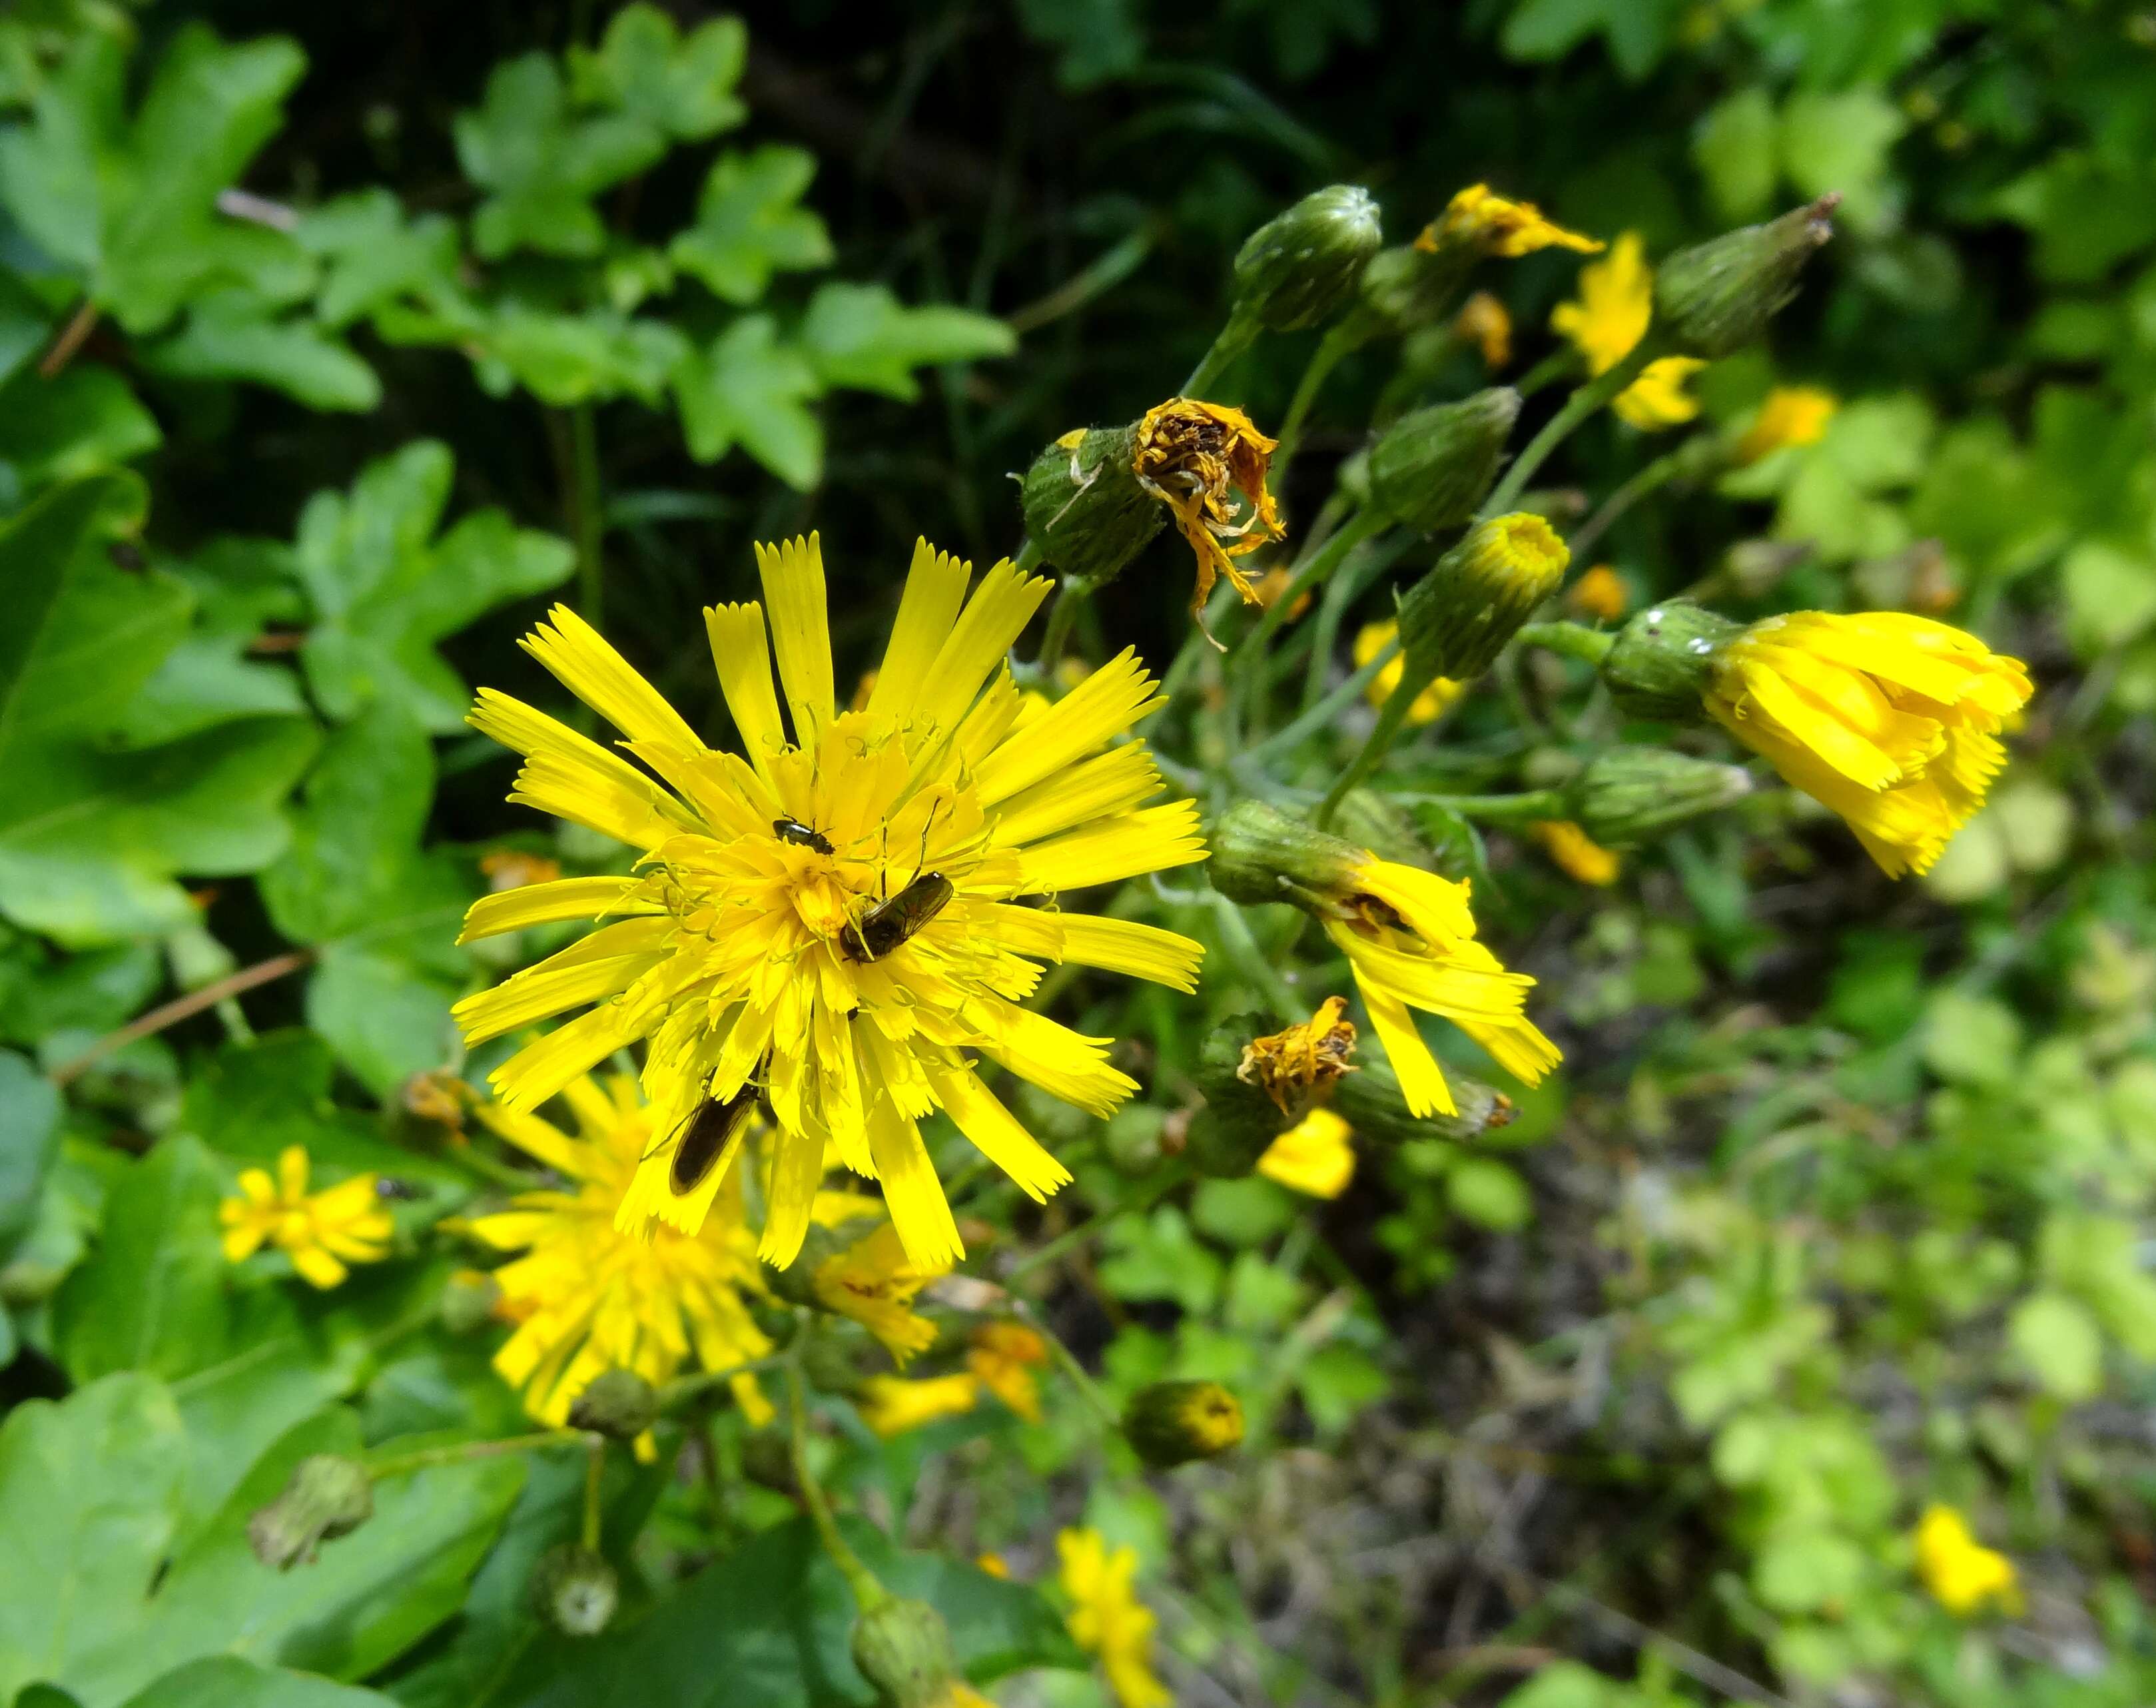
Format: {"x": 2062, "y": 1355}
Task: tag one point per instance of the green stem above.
{"x": 1496, "y": 808}
{"x": 1346, "y": 588}
{"x": 1066, "y": 1361}
{"x": 1249, "y": 959}
{"x": 457, "y": 1453}
{"x": 868, "y": 1592}
{"x": 1582, "y": 403}
{"x": 1325, "y": 711}
{"x": 590, "y": 515}
{"x": 1235, "y": 337}
{"x": 1573, "y": 640}
{"x": 1345, "y": 337}
{"x": 1074, "y": 592}
{"x": 1655, "y": 476}
{"x": 594, "y": 1482}
{"x": 1311, "y": 573}
{"x": 684, "y": 1388}
{"x": 1029, "y": 555}
{"x": 1547, "y": 372}
{"x": 1041, "y": 1256}
{"x": 1391, "y": 720}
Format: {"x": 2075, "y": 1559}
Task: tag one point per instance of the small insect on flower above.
{"x": 801, "y": 836}
{"x": 889, "y": 923}
{"x": 704, "y": 1139}
{"x": 390, "y": 1187}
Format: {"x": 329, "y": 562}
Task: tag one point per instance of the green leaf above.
{"x": 238, "y": 587}
{"x": 1638, "y": 31}
{"x": 1808, "y": 1569}
{"x": 2056, "y": 1339}
{"x": 749, "y": 389}
{"x": 749, "y": 224}
{"x": 1971, "y": 1040}
{"x": 1840, "y": 141}
{"x": 861, "y": 336}
{"x": 1733, "y": 147}
{"x": 30, "y": 1116}
{"x": 374, "y": 256}
{"x": 565, "y": 359}
{"x": 1489, "y": 1194}
{"x": 227, "y": 1681}
{"x": 1098, "y": 40}
{"x": 45, "y": 647}
{"x": 682, "y": 87}
{"x": 385, "y": 591}
{"x": 542, "y": 165}
{"x": 84, "y": 422}
{"x": 25, "y": 326}
{"x": 233, "y": 335}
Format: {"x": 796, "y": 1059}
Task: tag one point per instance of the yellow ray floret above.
{"x": 839, "y": 919}
{"x": 1616, "y": 302}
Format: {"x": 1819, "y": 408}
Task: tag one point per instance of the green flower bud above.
{"x": 1370, "y": 1102}
{"x": 1377, "y": 822}
{"x": 1084, "y": 506}
{"x": 1627, "y": 794}
{"x": 1171, "y": 1423}
{"x": 903, "y": 1649}
{"x": 1433, "y": 467}
{"x": 575, "y": 1591}
{"x": 1405, "y": 289}
{"x": 1456, "y": 620}
{"x": 619, "y": 1404}
{"x": 1716, "y": 297}
{"x": 1298, "y": 268}
{"x": 1663, "y": 658}
{"x": 328, "y": 1496}
{"x": 1260, "y": 854}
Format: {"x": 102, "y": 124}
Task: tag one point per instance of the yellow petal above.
{"x": 794, "y": 589}
{"x": 935, "y": 588}
{"x": 1107, "y": 703}
{"x": 1125, "y": 946}
{"x": 548, "y": 904}
{"x": 1152, "y": 840}
{"x": 742, "y": 659}
{"x": 996, "y": 615}
{"x": 996, "y": 1132}
{"x": 1105, "y": 787}
{"x": 584, "y": 664}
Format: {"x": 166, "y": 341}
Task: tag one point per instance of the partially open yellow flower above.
{"x": 1889, "y": 719}
{"x": 1483, "y": 322}
{"x": 835, "y": 916}
{"x": 1963, "y": 1576}
{"x": 323, "y": 1232}
{"x": 1599, "y": 593}
{"x": 1498, "y": 226}
{"x": 1005, "y": 1356}
{"x": 1432, "y": 703}
{"x": 891, "y": 1405}
{"x": 874, "y": 1283}
{"x": 1300, "y": 1065}
{"x": 588, "y": 1298}
{"x": 1579, "y": 855}
{"x": 1792, "y": 415}
{"x": 1315, "y": 1157}
{"x": 1106, "y": 1618}
{"x": 1207, "y": 464}
{"x": 1616, "y": 303}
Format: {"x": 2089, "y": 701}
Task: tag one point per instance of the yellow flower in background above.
{"x": 588, "y": 1298}
{"x": 511, "y": 868}
{"x": 873, "y": 1282}
{"x": 1579, "y": 855}
{"x": 993, "y": 1564}
{"x": 1005, "y": 1356}
{"x": 834, "y": 919}
{"x": 324, "y": 1233}
{"x": 1962, "y": 1575}
{"x": 1499, "y": 226}
{"x": 1295, "y": 1067}
{"x": 1600, "y": 593}
{"x": 1315, "y": 1157}
{"x": 1792, "y": 415}
{"x": 891, "y": 1405}
{"x": 1890, "y": 720}
{"x": 1106, "y": 1618}
{"x": 1207, "y": 463}
{"x": 1483, "y": 322}
{"x": 1409, "y": 940}
{"x": 1616, "y": 302}
{"x": 1432, "y": 703}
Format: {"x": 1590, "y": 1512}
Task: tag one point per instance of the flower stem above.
{"x": 1249, "y": 959}
{"x": 1075, "y": 591}
{"x": 1346, "y": 336}
{"x": 1066, "y": 1361}
{"x": 1573, "y": 640}
{"x": 1495, "y": 809}
{"x": 1310, "y": 575}
{"x": 457, "y": 1453}
{"x": 1390, "y": 722}
{"x": 1324, "y": 711}
{"x": 868, "y": 1592}
{"x": 1656, "y": 474}
{"x": 182, "y": 1008}
{"x": 1235, "y": 337}
{"x": 594, "y": 1481}
{"x": 683, "y": 1388}
{"x": 1582, "y": 403}
{"x": 586, "y": 509}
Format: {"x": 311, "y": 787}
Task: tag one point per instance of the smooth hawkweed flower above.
{"x": 1964, "y": 1576}
{"x": 1003, "y": 1357}
{"x": 1483, "y": 322}
{"x": 1173, "y": 1423}
{"x": 1106, "y": 1619}
{"x": 1792, "y": 415}
{"x": 1315, "y": 1157}
{"x": 1578, "y": 854}
{"x": 1890, "y": 720}
{"x": 1432, "y": 703}
{"x": 874, "y": 1283}
{"x": 1298, "y": 1067}
{"x": 1598, "y": 594}
{"x": 1207, "y": 464}
{"x": 834, "y": 919}
{"x": 1497, "y": 225}
{"x": 588, "y": 1298}
{"x": 1457, "y": 619}
{"x": 891, "y": 1405}
{"x": 1616, "y": 303}
{"x": 323, "y": 1232}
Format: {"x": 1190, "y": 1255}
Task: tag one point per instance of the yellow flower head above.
{"x": 1299, "y": 1066}
{"x": 1579, "y": 855}
{"x": 1315, "y": 1157}
{"x": 1498, "y": 226}
{"x": 1792, "y": 415}
{"x": 1962, "y": 1575}
{"x": 1600, "y": 593}
{"x": 1890, "y": 720}
{"x": 1207, "y": 464}
{"x": 874, "y": 1282}
{"x": 891, "y": 1405}
{"x": 1409, "y": 940}
{"x": 511, "y": 868}
{"x": 324, "y": 1233}
{"x": 1432, "y": 703}
{"x": 832, "y": 918}
{"x": 1616, "y": 302}
{"x": 1483, "y": 322}
{"x": 588, "y": 1298}
{"x": 1005, "y": 1356}
{"x": 439, "y": 1096}
{"x": 1106, "y": 1618}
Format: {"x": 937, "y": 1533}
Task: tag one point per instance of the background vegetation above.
{"x": 356, "y": 333}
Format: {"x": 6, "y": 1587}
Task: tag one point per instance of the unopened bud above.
{"x": 1456, "y": 620}
{"x": 1378, "y": 823}
{"x": 903, "y": 1649}
{"x": 575, "y": 1590}
{"x": 1298, "y": 268}
{"x": 1434, "y": 467}
{"x": 1260, "y": 855}
{"x": 1372, "y": 1102}
{"x": 1084, "y": 506}
{"x": 328, "y": 1496}
{"x": 1403, "y": 290}
{"x": 1664, "y": 659}
{"x": 1716, "y": 297}
{"x": 619, "y": 1404}
{"x": 1173, "y": 1422}
{"x": 1627, "y": 794}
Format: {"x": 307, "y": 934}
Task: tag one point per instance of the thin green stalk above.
{"x": 1311, "y": 573}
{"x": 1547, "y": 372}
{"x": 594, "y": 1483}
{"x": 1344, "y": 338}
{"x": 1249, "y": 959}
{"x": 1391, "y": 720}
{"x": 1582, "y": 403}
{"x": 1324, "y": 711}
{"x": 1235, "y": 337}
{"x": 1029, "y": 555}
{"x": 1074, "y": 592}
{"x": 1066, "y": 1361}
{"x": 1495, "y": 809}
{"x": 1655, "y": 476}
{"x": 590, "y": 516}
{"x": 1346, "y": 588}
{"x": 1573, "y": 640}
{"x": 868, "y": 1592}
{"x": 684, "y": 1388}
{"x": 1166, "y": 1181}
{"x": 457, "y": 1453}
